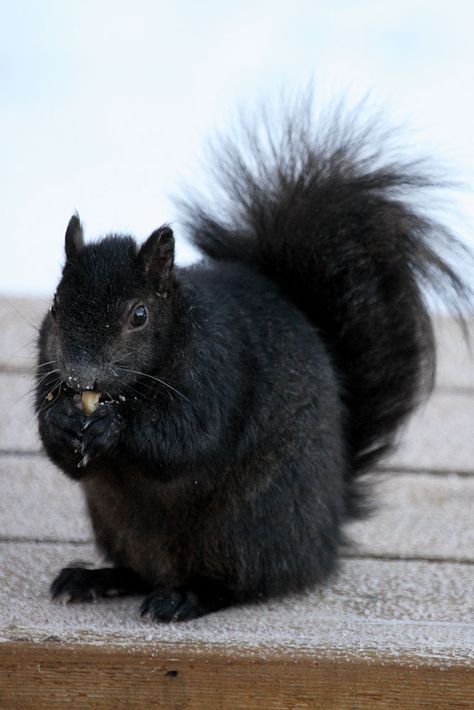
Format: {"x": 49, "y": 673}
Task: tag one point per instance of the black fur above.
{"x": 223, "y": 462}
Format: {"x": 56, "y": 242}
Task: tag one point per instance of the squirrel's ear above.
{"x": 156, "y": 257}
{"x": 74, "y": 237}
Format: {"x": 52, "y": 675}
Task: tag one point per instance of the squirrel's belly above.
{"x": 134, "y": 527}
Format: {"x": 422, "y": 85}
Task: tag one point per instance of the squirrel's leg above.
{"x": 200, "y": 596}
{"x": 82, "y": 584}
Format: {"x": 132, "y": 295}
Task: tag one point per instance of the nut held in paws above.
{"x": 90, "y": 401}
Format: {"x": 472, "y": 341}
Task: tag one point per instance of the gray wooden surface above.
{"x": 406, "y": 583}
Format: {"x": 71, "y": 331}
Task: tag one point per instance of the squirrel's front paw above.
{"x": 62, "y": 422}
{"x": 101, "y": 432}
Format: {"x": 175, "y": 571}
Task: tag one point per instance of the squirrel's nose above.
{"x": 80, "y": 380}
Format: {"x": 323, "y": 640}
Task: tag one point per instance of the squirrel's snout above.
{"x": 83, "y": 376}
{"x": 80, "y": 384}
{"x": 80, "y": 379}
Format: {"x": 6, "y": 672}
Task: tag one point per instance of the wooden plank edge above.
{"x": 349, "y": 552}
{"x": 53, "y": 675}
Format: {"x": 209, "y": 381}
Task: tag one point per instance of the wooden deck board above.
{"x": 395, "y": 629}
{"x": 419, "y": 515}
{"x": 39, "y": 502}
{"x": 372, "y": 609}
{"x": 18, "y": 429}
{"x": 55, "y": 676}
{"x": 439, "y": 436}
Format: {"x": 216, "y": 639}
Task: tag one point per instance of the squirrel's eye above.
{"x": 139, "y": 316}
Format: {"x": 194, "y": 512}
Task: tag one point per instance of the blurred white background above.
{"x": 106, "y": 104}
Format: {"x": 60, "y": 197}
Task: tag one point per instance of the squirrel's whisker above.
{"x": 43, "y": 364}
{"x": 45, "y": 376}
{"x": 157, "y": 379}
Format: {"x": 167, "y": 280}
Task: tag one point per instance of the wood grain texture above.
{"x": 18, "y": 428}
{"x": 54, "y": 676}
{"x": 418, "y": 515}
{"x": 38, "y": 502}
{"x": 439, "y": 437}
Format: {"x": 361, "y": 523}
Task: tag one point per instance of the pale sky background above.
{"x": 105, "y": 105}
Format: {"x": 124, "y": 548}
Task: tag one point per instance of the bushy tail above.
{"x": 321, "y": 213}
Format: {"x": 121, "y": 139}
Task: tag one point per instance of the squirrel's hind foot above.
{"x": 201, "y": 596}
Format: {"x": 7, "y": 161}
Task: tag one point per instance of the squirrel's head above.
{"x": 112, "y": 311}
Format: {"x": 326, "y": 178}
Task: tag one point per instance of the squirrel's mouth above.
{"x": 90, "y": 400}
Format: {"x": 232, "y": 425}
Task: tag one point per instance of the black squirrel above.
{"x": 242, "y": 398}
